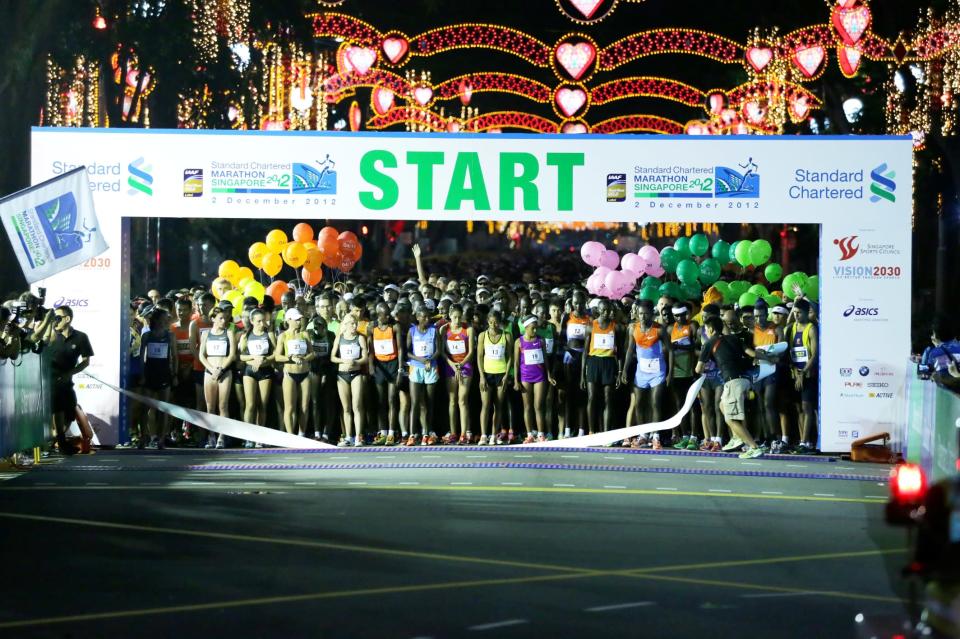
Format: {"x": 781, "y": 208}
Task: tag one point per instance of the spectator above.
{"x": 70, "y": 353}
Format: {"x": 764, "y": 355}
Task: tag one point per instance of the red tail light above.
{"x": 908, "y": 484}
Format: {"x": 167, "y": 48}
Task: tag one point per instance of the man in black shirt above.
{"x": 69, "y": 352}
{"x": 732, "y": 359}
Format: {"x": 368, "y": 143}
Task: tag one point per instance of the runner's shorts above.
{"x": 601, "y": 370}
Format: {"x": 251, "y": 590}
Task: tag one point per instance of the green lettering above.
{"x": 565, "y": 163}
{"x": 467, "y": 166}
{"x": 390, "y": 192}
{"x": 510, "y": 181}
{"x": 425, "y": 161}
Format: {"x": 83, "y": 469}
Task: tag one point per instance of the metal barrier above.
{"x": 24, "y": 403}
{"x": 933, "y": 418}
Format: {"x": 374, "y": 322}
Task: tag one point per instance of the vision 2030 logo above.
{"x": 740, "y": 184}
{"x": 140, "y": 177}
{"x": 882, "y": 186}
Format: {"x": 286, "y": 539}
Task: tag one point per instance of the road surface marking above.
{"x": 704, "y": 461}
{"x": 385, "y": 457}
{"x": 357, "y": 483}
{"x": 254, "y": 483}
{"x": 719, "y": 490}
{"x": 605, "y": 457}
{"x": 635, "y": 604}
{"x": 475, "y": 456}
{"x": 408, "y": 483}
{"x": 511, "y": 483}
{"x": 621, "y": 487}
{"x": 824, "y": 495}
{"x": 778, "y": 594}
{"x": 796, "y": 465}
{"x": 736, "y": 584}
{"x": 565, "y": 485}
{"x": 96, "y": 483}
{"x": 771, "y": 492}
{"x": 430, "y": 456}
{"x": 523, "y": 456}
{"x": 665, "y": 488}
{"x": 570, "y": 456}
{"x": 461, "y": 483}
{"x": 751, "y": 464}
{"x": 498, "y": 624}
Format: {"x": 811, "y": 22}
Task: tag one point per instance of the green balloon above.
{"x": 671, "y": 289}
{"x": 812, "y": 288}
{"x": 747, "y": 299}
{"x": 732, "y": 252}
{"x": 760, "y": 252}
{"x": 721, "y": 252}
{"x": 802, "y": 277}
{"x": 739, "y": 287}
{"x": 759, "y": 290}
{"x": 743, "y": 253}
{"x": 650, "y": 280}
{"x": 773, "y": 272}
{"x": 669, "y": 258}
{"x": 688, "y": 271}
{"x": 682, "y": 246}
{"x": 691, "y": 291}
{"x": 789, "y": 282}
{"x": 709, "y": 271}
{"x": 650, "y": 293}
{"x": 722, "y": 287}
{"x": 699, "y": 244}
{"x": 771, "y": 300}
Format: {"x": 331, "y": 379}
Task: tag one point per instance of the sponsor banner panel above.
{"x": 857, "y": 189}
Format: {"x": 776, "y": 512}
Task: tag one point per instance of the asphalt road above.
{"x": 445, "y": 542}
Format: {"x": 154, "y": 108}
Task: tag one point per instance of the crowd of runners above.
{"x": 482, "y": 360}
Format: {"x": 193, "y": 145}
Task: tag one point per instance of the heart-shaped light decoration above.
{"x": 586, "y": 7}
{"x": 574, "y": 127}
{"x": 360, "y": 58}
{"x": 570, "y": 101}
{"x": 355, "y": 116}
{"x": 846, "y": 4}
{"x": 754, "y": 112}
{"x": 453, "y": 126}
{"x": 740, "y": 129}
{"x": 728, "y": 115}
{"x": 395, "y": 48}
{"x": 809, "y": 59}
{"x": 423, "y": 94}
{"x": 849, "y": 58}
{"x": 851, "y": 24}
{"x": 715, "y": 102}
{"x": 576, "y": 58}
{"x": 466, "y": 92}
{"x": 696, "y": 127}
{"x": 382, "y": 99}
{"x": 799, "y": 108}
{"x": 759, "y": 57}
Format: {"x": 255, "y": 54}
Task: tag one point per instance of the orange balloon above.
{"x": 312, "y": 278}
{"x": 302, "y": 232}
{"x": 276, "y": 290}
{"x": 346, "y": 264}
{"x": 272, "y": 264}
{"x": 350, "y": 245}
{"x": 330, "y": 249}
{"x": 314, "y": 260}
{"x": 294, "y": 254}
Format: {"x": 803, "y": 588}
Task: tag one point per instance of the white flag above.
{"x": 52, "y": 226}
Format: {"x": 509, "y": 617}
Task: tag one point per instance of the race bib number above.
{"x": 549, "y": 345}
{"x": 533, "y": 357}
{"x": 157, "y": 350}
{"x": 258, "y": 347}
{"x": 296, "y": 347}
{"x": 217, "y": 348}
{"x": 321, "y": 348}
{"x": 648, "y": 366}
{"x": 350, "y": 352}
{"x": 799, "y": 355}
{"x": 183, "y": 346}
{"x": 422, "y": 348}
{"x": 576, "y": 331}
{"x": 383, "y": 346}
{"x": 493, "y": 351}
{"x": 603, "y": 341}
{"x": 456, "y": 346}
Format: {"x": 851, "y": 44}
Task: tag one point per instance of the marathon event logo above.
{"x": 59, "y": 223}
{"x": 616, "y": 187}
{"x": 695, "y": 182}
{"x": 192, "y": 182}
{"x": 140, "y": 178}
{"x": 232, "y": 179}
{"x": 840, "y": 184}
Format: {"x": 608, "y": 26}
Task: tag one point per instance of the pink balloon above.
{"x": 602, "y": 271}
{"x": 591, "y": 252}
{"x": 656, "y": 271}
{"x": 634, "y": 275}
{"x": 610, "y": 259}
{"x": 632, "y": 262}
{"x": 593, "y": 283}
{"x": 649, "y": 254}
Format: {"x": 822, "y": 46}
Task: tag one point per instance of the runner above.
{"x": 421, "y": 352}
{"x": 458, "y": 352}
{"x": 804, "y": 354}
{"x": 184, "y": 389}
{"x": 494, "y": 352}
{"x": 386, "y": 373}
{"x": 683, "y": 359}
{"x": 158, "y": 348}
{"x": 710, "y": 392}
{"x": 766, "y": 334}
{"x": 532, "y": 375}
{"x": 323, "y": 398}
{"x": 218, "y": 350}
{"x": 296, "y": 357}
{"x": 350, "y": 355}
{"x": 574, "y": 331}
{"x": 649, "y": 344}
{"x": 548, "y": 329}
{"x": 600, "y": 370}
{"x": 257, "y": 348}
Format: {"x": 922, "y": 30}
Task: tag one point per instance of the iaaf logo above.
{"x": 72, "y": 303}
{"x": 847, "y": 247}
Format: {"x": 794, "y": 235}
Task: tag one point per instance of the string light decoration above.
{"x": 589, "y": 11}
{"x": 638, "y": 124}
{"x": 216, "y": 19}
{"x": 647, "y": 87}
{"x": 73, "y": 95}
{"x": 660, "y": 41}
{"x": 128, "y": 76}
{"x": 493, "y": 82}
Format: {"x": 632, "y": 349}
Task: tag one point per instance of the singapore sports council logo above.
{"x": 140, "y": 178}
{"x": 882, "y": 185}
{"x": 848, "y": 247}
{"x": 732, "y": 183}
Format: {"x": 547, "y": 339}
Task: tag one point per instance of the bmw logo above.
{"x": 864, "y": 371}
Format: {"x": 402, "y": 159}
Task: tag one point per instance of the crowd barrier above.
{"x": 933, "y": 418}
{"x": 24, "y": 403}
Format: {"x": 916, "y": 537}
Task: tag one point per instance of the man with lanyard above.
{"x": 324, "y": 307}
{"x": 649, "y": 344}
{"x": 573, "y": 331}
{"x": 804, "y": 355}
{"x": 766, "y": 334}
{"x": 732, "y": 360}
{"x": 710, "y": 392}
{"x": 600, "y": 368}
{"x": 683, "y": 347}
{"x": 69, "y": 352}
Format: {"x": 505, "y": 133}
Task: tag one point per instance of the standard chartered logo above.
{"x": 882, "y": 185}
{"x": 140, "y": 178}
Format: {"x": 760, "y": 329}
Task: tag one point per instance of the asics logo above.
{"x": 140, "y": 178}
{"x": 883, "y": 185}
{"x": 847, "y": 247}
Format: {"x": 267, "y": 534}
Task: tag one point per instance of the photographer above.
{"x": 70, "y": 352}
{"x": 9, "y": 336}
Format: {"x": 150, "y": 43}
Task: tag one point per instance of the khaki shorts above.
{"x": 733, "y": 399}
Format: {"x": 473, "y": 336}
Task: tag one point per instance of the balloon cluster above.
{"x": 304, "y": 253}
{"x": 696, "y": 266}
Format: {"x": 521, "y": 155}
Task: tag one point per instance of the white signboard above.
{"x": 858, "y": 189}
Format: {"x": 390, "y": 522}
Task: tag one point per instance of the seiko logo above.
{"x": 878, "y": 385}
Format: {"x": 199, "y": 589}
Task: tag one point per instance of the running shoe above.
{"x": 775, "y": 447}
{"x": 656, "y": 445}
{"x": 511, "y": 437}
{"x": 390, "y": 441}
{"x": 153, "y": 445}
{"x": 640, "y": 442}
{"x": 359, "y": 443}
{"x": 706, "y": 446}
{"x": 541, "y": 438}
{"x": 692, "y": 444}
{"x": 751, "y": 453}
{"x": 343, "y": 443}
{"x": 483, "y": 440}
{"x": 380, "y": 440}
{"x": 429, "y": 440}
{"x": 682, "y": 443}
{"x": 449, "y": 439}
{"x": 412, "y": 440}
{"x": 220, "y": 444}
{"x": 529, "y": 439}
{"x": 248, "y": 444}
{"x": 501, "y": 437}
{"x": 733, "y": 444}
{"x": 465, "y": 439}
{"x": 800, "y": 449}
